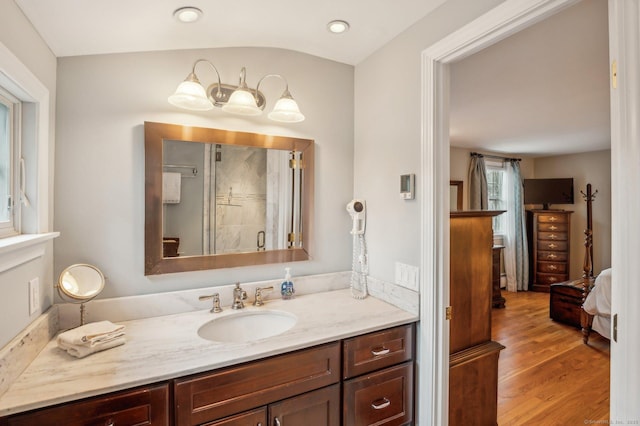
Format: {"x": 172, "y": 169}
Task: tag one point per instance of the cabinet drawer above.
{"x": 382, "y": 398}
{"x": 550, "y": 278}
{"x": 553, "y": 227}
{"x": 552, "y": 245}
{"x": 253, "y": 418}
{"x": 377, "y": 350}
{"x": 552, "y": 218}
{"x": 552, "y": 236}
{"x": 552, "y": 267}
{"x": 145, "y": 406}
{"x": 553, "y": 256}
{"x": 211, "y": 396}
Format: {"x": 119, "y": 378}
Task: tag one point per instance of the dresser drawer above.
{"x": 550, "y": 278}
{"x": 377, "y": 350}
{"x": 382, "y": 398}
{"x": 552, "y": 267}
{"x": 552, "y": 236}
{"x": 552, "y": 218}
{"x": 553, "y": 256}
{"x": 552, "y": 245}
{"x": 553, "y": 227}
{"x": 211, "y": 396}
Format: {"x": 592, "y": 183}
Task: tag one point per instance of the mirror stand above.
{"x": 80, "y": 283}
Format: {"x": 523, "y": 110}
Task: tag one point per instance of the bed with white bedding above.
{"x": 598, "y": 306}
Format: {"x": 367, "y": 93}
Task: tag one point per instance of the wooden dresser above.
{"x": 548, "y": 236}
{"x": 473, "y": 356}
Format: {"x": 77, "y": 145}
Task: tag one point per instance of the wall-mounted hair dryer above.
{"x": 358, "y": 211}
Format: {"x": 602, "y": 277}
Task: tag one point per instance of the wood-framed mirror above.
{"x": 455, "y": 195}
{"x": 221, "y": 199}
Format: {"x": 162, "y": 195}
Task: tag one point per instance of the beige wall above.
{"x": 19, "y": 37}
{"x": 589, "y": 167}
{"x": 593, "y": 168}
{"x": 103, "y": 102}
{"x": 387, "y": 134}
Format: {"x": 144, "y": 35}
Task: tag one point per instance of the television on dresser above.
{"x": 548, "y": 191}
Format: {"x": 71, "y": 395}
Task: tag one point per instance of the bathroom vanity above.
{"x": 345, "y": 362}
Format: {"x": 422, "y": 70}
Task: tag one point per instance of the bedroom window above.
{"x": 9, "y": 148}
{"x": 496, "y": 185}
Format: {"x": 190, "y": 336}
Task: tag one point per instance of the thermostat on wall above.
{"x": 407, "y": 186}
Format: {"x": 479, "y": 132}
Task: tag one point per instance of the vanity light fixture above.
{"x": 239, "y": 99}
{"x": 338, "y": 26}
{"x": 187, "y": 14}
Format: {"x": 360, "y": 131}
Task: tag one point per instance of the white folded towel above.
{"x": 80, "y": 351}
{"x": 171, "y": 185}
{"x": 90, "y": 338}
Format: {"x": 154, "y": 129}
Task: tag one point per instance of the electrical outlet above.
{"x": 34, "y": 295}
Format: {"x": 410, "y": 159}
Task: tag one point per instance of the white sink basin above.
{"x": 247, "y": 326}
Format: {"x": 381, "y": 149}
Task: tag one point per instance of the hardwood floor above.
{"x": 546, "y": 375}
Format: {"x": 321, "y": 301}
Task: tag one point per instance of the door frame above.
{"x": 501, "y": 22}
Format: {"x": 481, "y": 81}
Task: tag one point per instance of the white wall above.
{"x": 102, "y": 104}
{"x": 387, "y": 134}
{"x": 17, "y": 35}
{"x": 593, "y": 168}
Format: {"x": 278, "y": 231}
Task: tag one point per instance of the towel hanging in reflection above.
{"x": 171, "y": 183}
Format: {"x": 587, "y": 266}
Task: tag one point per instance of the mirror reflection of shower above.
{"x": 242, "y": 196}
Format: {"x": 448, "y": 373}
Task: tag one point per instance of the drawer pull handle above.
{"x": 276, "y": 421}
{"x": 553, "y": 218}
{"x": 551, "y": 256}
{"x": 109, "y": 423}
{"x": 553, "y": 267}
{"x": 553, "y": 227}
{"x": 552, "y": 279}
{"x": 380, "y": 404}
{"x": 553, "y": 236}
{"x": 380, "y": 351}
{"x": 553, "y": 245}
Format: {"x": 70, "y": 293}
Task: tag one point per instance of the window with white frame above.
{"x": 497, "y": 193}
{"x": 9, "y": 153}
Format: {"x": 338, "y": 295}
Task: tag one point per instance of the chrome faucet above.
{"x": 238, "y": 296}
{"x": 216, "y": 302}
{"x": 259, "y": 290}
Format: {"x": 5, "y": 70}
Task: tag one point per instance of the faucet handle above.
{"x": 216, "y": 302}
{"x": 259, "y": 290}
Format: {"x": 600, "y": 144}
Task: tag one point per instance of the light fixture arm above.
{"x": 193, "y": 73}
{"x": 286, "y": 90}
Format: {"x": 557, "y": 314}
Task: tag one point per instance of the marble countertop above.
{"x": 168, "y": 347}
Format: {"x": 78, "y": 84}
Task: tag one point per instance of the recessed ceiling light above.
{"x": 187, "y": 14}
{"x": 338, "y": 27}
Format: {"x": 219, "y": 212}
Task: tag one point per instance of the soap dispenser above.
{"x": 286, "y": 288}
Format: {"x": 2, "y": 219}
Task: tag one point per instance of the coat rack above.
{"x": 588, "y": 234}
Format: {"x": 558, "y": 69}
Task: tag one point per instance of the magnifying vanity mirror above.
{"x": 79, "y": 284}
{"x": 219, "y": 199}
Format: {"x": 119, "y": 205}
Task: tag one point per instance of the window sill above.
{"x": 15, "y": 251}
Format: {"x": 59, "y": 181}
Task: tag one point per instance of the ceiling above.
{"x": 543, "y": 91}
{"x": 81, "y": 27}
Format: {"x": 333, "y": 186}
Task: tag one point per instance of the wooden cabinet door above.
{"x": 317, "y": 408}
{"x": 145, "y": 406}
{"x": 470, "y": 279}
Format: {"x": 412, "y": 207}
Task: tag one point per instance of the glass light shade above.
{"x": 191, "y": 95}
{"x": 242, "y": 102}
{"x": 286, "y": 110}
